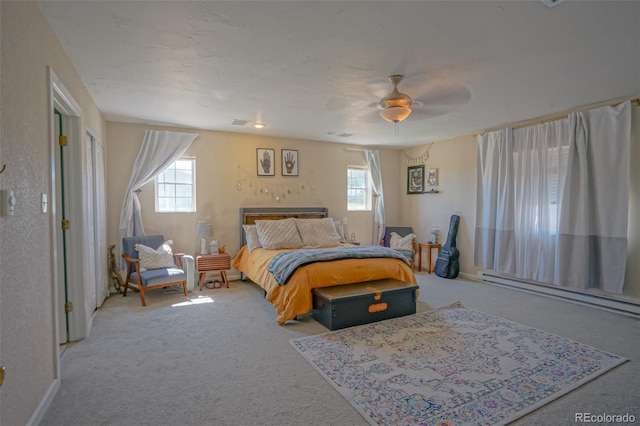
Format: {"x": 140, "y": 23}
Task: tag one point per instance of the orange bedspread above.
{"x": 295, "y": 298}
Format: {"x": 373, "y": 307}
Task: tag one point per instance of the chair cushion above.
{"x": 160, "y": 276}
{"x": 155, "y": 259}
{"x": 398, "y": 242}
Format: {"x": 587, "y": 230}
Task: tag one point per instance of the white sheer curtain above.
{"x": 495, "y": 234}
{"x": 540, "y": 165}
{"x": 595, "y": 204}
{"x": 552, "y": 200}
{"x": 158, "y": 151}
{"x": 375, "y": 171}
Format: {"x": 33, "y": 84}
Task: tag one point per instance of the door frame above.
{"x": 78, "y": 321}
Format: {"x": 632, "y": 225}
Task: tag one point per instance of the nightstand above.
{"x": 213, "y": 263}
{"x": 429, "y": 247}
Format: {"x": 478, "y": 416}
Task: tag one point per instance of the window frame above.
{"x": 367, "y": 189}
{"x": 192, "y": 184}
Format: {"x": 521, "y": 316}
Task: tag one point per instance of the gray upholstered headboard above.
{"x": 248, "y": 215}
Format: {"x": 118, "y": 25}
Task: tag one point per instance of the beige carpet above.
{"x": 219, "y": 358}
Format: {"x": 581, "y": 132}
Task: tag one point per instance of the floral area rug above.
{"x": 452, "y": 366}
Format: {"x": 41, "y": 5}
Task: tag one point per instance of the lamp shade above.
{"x": 395, "y": 114}
{"x": 204, "y": 230}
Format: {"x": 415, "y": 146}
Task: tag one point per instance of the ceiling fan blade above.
{"x": 336, "y": 103}
{"x": 451, "y": 95}
{"x": 423, "y": 113}
{"x": 380, "y": 89}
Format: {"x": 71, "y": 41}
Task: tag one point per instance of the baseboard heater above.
{"x": 625, "y": 305}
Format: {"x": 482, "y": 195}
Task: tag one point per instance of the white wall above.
{"x": 27, "y": 320}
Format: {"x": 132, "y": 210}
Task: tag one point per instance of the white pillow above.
{"x": 251, "y": 235}
{"x": 397, "y": 242}
{"x": 277, "y": 234}
{"x": 155, "y": 259}
{"x": 318, "y": 232}
{"x": 340, "y": 230}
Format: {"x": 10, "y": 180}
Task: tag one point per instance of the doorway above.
{"x": 73, "y": 231}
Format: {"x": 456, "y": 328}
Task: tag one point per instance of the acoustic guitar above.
{"x": 448, "y": 265}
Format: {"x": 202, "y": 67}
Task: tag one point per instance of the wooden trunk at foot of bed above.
{"x": 362, "y": 303}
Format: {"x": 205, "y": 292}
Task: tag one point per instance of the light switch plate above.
{"x": 7, "y": 202}
{"x": 45, "y": 203}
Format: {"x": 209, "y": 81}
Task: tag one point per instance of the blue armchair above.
{"x": 403, "y": 231}
{"x": 182, "y": 274}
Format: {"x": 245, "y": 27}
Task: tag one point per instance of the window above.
{"x": 176, "y": 187}
{"x": 358, "y": 188}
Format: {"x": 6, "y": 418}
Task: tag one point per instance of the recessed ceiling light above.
{"x": 259, "y": 125}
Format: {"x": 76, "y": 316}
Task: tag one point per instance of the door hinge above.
{"x": 68, "y": 307}
{"x": 62, "y": 140}
{"x": 65, "y": 224}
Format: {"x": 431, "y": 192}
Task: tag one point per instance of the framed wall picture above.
{"x": 289, "y": 162}
{"x": 432, "y": 177}
{"x": 415, "y": 179}
{"x": 266, "y": 161}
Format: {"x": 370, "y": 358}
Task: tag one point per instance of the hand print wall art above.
{"x": 289, "y": 162}
{"x": 266, "y": 162}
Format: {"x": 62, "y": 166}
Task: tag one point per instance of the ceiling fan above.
{"x": 438, "y": 95}
{"x": 396, "y": 106}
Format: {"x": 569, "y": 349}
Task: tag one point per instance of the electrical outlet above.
{"x": 344, "y": 220}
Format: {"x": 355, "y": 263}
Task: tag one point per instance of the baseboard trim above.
{"x": 45, "y": 402}
{"x": 620, "y": 306}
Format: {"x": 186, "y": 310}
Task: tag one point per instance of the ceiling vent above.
{"x": 236, "y": 122}
{"x": 345, "y": 135}
{"x": 551, "y": 3}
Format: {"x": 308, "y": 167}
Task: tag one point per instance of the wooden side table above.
{"x": 429, "y": 247}
{"x": 211, "y": 263}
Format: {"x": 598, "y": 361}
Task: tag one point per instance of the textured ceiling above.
{"x": 314, "y": 70}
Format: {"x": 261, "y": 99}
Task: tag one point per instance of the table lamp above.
{"x": 203, "y": 231}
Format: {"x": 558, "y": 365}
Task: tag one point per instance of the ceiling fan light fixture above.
{"x": 396, "y": 106}
{"x": 395, "y": 114}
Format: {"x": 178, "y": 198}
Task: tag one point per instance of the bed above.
{"x": 294, "y": 296}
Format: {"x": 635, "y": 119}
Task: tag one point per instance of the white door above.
{"x": 96, "y": 234}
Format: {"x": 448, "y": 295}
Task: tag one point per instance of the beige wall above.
{"x": 225, "y": 159}
{"x": 455, "y": 161}
{"x": 26, "y": 285}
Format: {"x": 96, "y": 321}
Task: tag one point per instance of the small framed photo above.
{"x": 289, "y": 162}
{"x": 266, "y": 161}
{"x": 432, "y": 177}
{"x": 415, "y": 180}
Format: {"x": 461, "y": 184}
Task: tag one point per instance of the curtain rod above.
{"x": 558, "y": 117}
{"x": 356, "y": 149}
